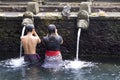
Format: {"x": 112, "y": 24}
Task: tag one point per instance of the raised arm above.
{"x": 36, "y": 35}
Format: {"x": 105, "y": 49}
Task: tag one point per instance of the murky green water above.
{"x": 85, "y": 71}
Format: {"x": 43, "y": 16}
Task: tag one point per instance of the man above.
{"x": 52, "y": 43}
{"x": 29, "y": 42}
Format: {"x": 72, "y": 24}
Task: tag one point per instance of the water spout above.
{"x": 78, "y": 40}
{"x": 23, "y": 31}
{"x": 82, "y": 23}
{"x": 66, "y": 11}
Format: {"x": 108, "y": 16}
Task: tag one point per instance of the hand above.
{"x": 33, "y": 32}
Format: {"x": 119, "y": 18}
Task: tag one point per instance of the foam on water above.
{"x": 13, "y": 63}
{"x": 53, "y": 65}
{"x": 77, "y": 64}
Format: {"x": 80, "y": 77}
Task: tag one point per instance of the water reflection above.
{"x": 85, "y": 71}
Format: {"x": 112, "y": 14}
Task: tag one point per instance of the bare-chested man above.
{"x": 29, "y": 42}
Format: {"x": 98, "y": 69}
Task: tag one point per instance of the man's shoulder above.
{"x": 34, "y": 37}
{"x": 23, "y": 37}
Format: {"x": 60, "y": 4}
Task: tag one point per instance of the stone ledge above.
{"x": 57, "y": 15}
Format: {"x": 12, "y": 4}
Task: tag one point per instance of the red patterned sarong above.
{"x": 52, "y": 53}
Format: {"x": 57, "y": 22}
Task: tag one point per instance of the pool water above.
{"x": 73, "y": 70}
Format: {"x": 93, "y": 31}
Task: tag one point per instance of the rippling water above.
{"x": 73, "y": 70}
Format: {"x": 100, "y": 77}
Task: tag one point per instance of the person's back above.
{"x": 52, "y": 43}
{"x": 29, "y": 42}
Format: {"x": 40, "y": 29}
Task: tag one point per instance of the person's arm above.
{"x": 61, "y": 40}
{"x": 36, "y": 35}
{"x": 56, "y": 32}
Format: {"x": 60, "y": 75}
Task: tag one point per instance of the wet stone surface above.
{"x": 101, "y": 38}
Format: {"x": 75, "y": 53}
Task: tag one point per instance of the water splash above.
{"x": 54, "y": 65}
{"x": 78, "y": 40}
{"x": 23, "y": 31}
{"x": 77, "y": 64}
{"x": 13, "y": 63}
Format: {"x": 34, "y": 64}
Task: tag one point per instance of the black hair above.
{"x": 29, "y": 27}
{"x": 51, "y": 28}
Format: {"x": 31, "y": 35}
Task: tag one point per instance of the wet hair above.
{"x": 29, "y": 27}
{"x": 51, "y": 28}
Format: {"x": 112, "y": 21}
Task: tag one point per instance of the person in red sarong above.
{"x": 52, "y": 44}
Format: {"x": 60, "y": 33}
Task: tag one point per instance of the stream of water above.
{"x": 78, "y": 40}
{"x": 23, "y": 31}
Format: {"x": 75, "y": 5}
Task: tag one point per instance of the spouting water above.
{"x": 76, "y": 64}
{"x": 23, "y": 31}
{"x": 14, "y": 63}
{"x": 78, "y": 40}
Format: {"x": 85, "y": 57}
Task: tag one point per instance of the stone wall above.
{"x": 66, "y": 28}
{"x": 10, "y": 31}
{"x": 101, "y": 38}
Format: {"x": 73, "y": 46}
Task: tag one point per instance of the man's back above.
{"x": 29, "y": 43}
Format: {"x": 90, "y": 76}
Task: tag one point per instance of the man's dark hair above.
{"x": 29, "y": 28}
{"x": 51, "y": 28}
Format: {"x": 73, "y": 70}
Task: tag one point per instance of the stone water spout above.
{"x": 83, "y": 14}
{"x": 28, "y": 18}
{"x": 83, "y": 19}
{"x": 82, "y": 22}
{"x": 66, "y": 11}
{"x": 27, "y": 21}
